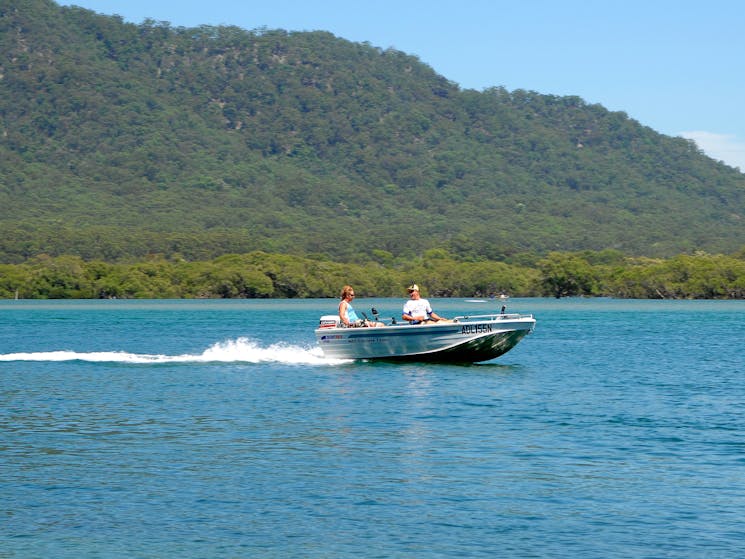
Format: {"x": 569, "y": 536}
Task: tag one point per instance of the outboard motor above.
{"x": 329, "y": 321}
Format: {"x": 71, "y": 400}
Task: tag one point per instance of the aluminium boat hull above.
{"x": 466, "y": 340}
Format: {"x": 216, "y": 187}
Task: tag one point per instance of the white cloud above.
{"x": 722, "y": 147}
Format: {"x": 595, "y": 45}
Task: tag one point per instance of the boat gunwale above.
{"x": 426, "y": 329}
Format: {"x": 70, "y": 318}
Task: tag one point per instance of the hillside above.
{"x": 120, "y": 140}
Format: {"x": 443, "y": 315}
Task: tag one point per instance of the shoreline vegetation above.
{"x": 607, "y": 273}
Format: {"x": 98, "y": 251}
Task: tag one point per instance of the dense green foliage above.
{"x": 120, "y": 141}
{"x": 257, "y": 275}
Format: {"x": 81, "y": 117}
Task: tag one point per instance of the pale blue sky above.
{"x": 677, "y": 66}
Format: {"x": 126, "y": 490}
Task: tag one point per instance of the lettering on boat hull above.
{"x": 476, "y": 329}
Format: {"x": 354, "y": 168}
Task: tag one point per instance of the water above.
{"x": 217, "y": 429}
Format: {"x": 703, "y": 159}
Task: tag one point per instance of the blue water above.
{"x": 199, "y": 429}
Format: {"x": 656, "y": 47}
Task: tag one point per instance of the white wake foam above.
{"x": 241, "y": 350}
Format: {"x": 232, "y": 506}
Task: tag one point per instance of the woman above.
{"x": 347, "y": 315}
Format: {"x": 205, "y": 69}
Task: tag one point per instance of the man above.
{"x": 418, "y": 310}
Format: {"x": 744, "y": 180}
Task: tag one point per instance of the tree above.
{"x": 566, "y": 275}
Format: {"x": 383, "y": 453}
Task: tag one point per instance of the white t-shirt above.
{"x": 417, "y": 307}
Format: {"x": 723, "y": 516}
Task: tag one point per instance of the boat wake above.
{"x": 241, "y": 350}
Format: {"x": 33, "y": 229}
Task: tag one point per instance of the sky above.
{"x": 677, "y": 66}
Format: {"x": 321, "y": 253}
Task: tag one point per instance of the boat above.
{"x": 464, "y": 339}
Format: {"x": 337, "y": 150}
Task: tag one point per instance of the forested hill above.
{"x": 120, "y": 140}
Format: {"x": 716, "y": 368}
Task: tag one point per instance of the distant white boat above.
{"x": 465, "y": 339}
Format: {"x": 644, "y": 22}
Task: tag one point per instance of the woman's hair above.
{"x": 345, "y": 291}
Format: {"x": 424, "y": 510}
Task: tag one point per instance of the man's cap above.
{"x": 412, "y": 287}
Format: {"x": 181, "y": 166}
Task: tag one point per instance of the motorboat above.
{"x": 464, "y": 339}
